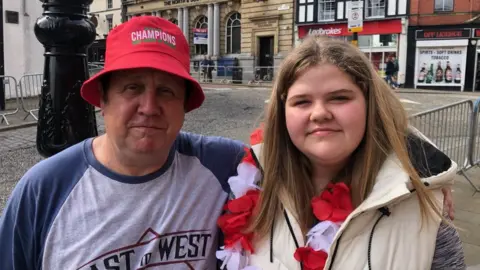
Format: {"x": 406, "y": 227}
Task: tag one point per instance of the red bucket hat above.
{"x": 146, "y": 42}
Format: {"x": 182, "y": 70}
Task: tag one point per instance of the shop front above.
{"x": 379, "y": 40}
{"x": 476, "y": 74}
{"x": 443, "y": 58}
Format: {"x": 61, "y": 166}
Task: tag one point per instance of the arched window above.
{"x": 233, "y": 33}
{"x": 174, "y": 20}
{"x": 200, "y": 42}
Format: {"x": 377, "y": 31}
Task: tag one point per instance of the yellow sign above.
{"x": 355, "y": 29}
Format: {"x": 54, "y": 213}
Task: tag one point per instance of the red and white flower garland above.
{"x": 331, "y": 208}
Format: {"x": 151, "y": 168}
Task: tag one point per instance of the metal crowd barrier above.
{"x": 30, "y": 88}
{"x": 453, "y": 129}
{"x": 11, "y": 98}
{"x": 257, "y": 75}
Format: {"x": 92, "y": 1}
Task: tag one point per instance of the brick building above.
{"x": 384, "y": 31}
{"x": 444, "y": 50}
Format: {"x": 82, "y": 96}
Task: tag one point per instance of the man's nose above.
{"x": 149, "y": 103}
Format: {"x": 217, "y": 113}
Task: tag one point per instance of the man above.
{"x": 143, "y": 195}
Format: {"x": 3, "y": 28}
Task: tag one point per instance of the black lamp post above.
{"x": 64, "y": 118}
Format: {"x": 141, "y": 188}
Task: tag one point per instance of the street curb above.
{"x": 400, "y": 90}
{"x": 18, "y": 126}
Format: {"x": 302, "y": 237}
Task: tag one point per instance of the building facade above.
{"x": 22, "y": 52}
{"x": 247, "y": 33}
{"x": 384, "y": 31}
{"x": 105, "y": 14}
{"x": 444, "y": 47}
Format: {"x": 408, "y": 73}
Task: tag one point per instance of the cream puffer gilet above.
{"x": 387, "y": 227}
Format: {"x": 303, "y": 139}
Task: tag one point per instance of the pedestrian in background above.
{"x": 391, "y": 71}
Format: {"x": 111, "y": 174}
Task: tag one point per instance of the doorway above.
{"x": 265, "y": 58}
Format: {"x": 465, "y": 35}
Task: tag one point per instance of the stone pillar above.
{"x": 216, "y": 29}
{"x": 186, "y": 24}
{"x": 180, "y": 18}
{"x": 64, "y": 118}
{"x": 402, "y": 52}
{"x": 210, "y": 29}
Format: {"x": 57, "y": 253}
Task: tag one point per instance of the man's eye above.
{"x": 166, "y": 91}
{"x": 132, "y": 87}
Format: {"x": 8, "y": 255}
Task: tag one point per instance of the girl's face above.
{"x": 325, "y": 115}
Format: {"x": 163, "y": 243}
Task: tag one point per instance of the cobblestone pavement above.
{"x": 234, "y": 113}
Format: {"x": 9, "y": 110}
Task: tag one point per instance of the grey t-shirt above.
{"x": 71, "y": 212}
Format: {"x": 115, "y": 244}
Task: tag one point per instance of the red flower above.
{"x": 257, "y": 136}
{"x": 248, "y": 158}
{"x": 236, "y": 220}
{"x": 311, "y": 259}
{"x": 334, "y": 204}
{"x": 245, "y": 241}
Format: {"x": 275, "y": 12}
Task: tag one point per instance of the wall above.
{"x": 252, "y": 9}
{"x": 99, "y": 8}
{"x": 422, "y": 12}
{"x": 23, "y": 52}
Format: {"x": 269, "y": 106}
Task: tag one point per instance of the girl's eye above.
{"x": 300, "y": 102}
{"x": 340, "y": 98}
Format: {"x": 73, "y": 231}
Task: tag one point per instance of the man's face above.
{"x": 144, "y": 111}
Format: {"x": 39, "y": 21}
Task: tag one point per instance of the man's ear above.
{"x": 102, "y": 98}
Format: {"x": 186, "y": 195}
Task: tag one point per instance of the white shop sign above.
{"x": 440, "y": 66}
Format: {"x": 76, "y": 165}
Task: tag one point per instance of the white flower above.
{"x": 321, "y": 236}
{"x": 248, "y": 176}
{"x": 234, "y": 259}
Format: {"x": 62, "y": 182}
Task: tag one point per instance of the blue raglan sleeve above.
{"x": 220, "y": 155}
{"x": 33, "y": 206}
{"x": 17, "y": 250}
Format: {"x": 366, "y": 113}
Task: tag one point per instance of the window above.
{"x": 443, "y": 5}
{"x": 174, "y": 20}
{"x": 110, "y": 23}
{"x": 109, "y": 3}
{"x": 11, "y": 17}
{"x": 326, "y": 10}
{"x": 375, "y": 8}
{"x": 233, "y": 36}
{"x": 305, "y": 10}
{"x": 202, "y": 23}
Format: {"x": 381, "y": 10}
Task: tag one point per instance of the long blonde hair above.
{"x": 288, "y": 173}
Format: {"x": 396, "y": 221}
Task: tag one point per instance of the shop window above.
{"x": 233, "y": 33}
{"x": 375, "y": 8}
{"x": 11, "y": 17}
{"x": 364, "y": 41}
{"x": 326, "y": 10}
{"x": 443, "y": 5}
{"x": 201, "y": 23}
{"x": 305, "y": 10}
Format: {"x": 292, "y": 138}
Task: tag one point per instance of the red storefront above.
{"x": 379, "y": 39}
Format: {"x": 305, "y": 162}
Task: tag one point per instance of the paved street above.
{"x": 233, "y": 112}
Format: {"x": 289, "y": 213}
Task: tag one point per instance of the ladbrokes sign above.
{"x": 325, "y": 32}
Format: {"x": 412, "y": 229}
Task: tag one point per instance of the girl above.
{"x": 345, "y": 182}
